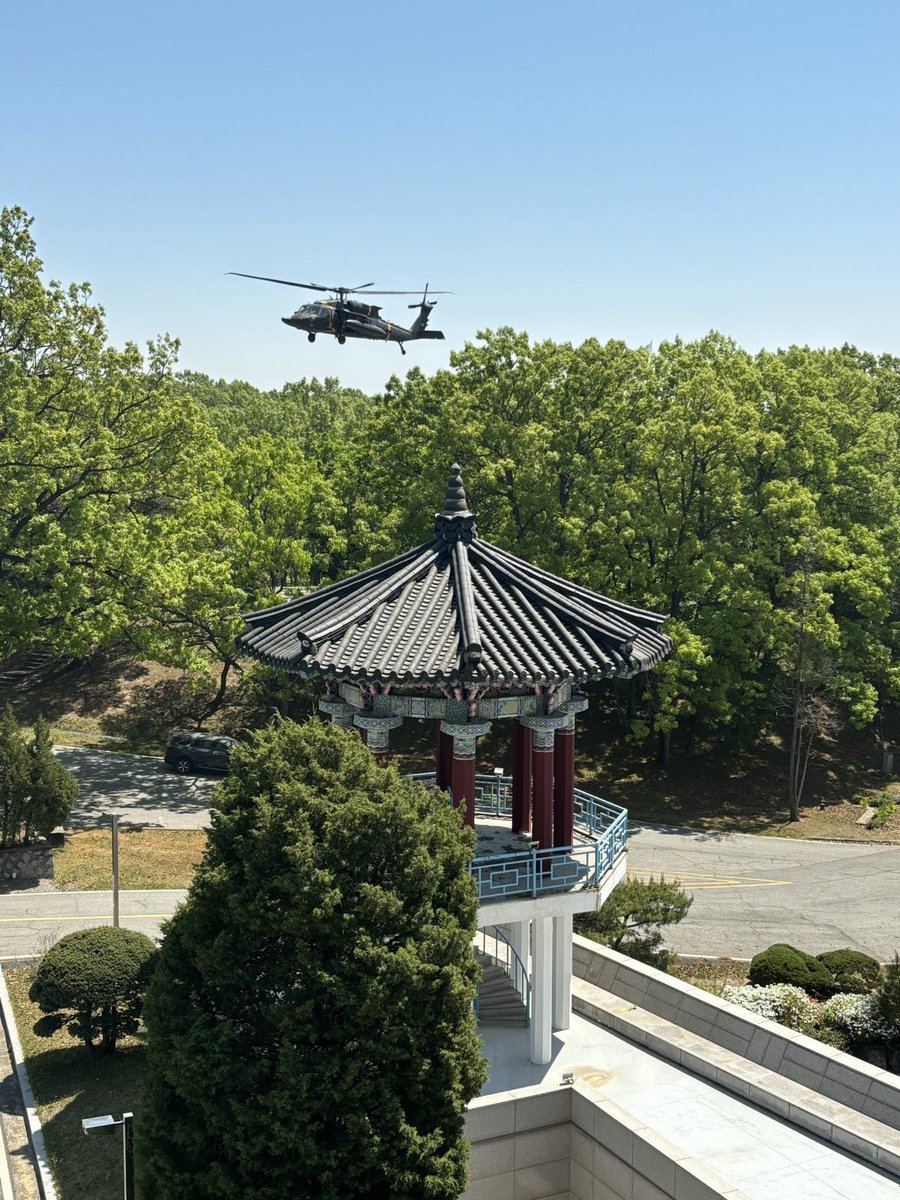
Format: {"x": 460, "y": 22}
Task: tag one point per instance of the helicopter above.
{"x": 345, "y": 317}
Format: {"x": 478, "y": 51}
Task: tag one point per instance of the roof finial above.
{"x": 455, "y": 496}
{"x": 455, "y": 522}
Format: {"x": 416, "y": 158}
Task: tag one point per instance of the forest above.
{"x": 754, "y": 497}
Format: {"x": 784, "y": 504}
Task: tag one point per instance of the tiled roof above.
{"x": 456, "y": 609}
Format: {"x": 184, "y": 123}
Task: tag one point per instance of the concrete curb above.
{"x": 691, "y": 830}
{"x": 32, "y": 1121}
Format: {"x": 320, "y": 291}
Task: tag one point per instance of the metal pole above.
{"x": 115, "y": 870}
{"x": 128, "y": 1152}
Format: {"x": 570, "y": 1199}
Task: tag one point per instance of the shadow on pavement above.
{"x": 697, "y": 835}
{"x": 140, "y": 790}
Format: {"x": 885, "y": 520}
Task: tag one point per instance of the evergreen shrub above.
{"x": 853, "y": 971}
{"x": 887, "y": 997}
{"x": 310, "y": 1024}
{"x": 781, "y": 963}
{"x": 92, "y": 982}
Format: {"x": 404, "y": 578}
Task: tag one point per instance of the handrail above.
{"x": 508, "y": 960}
{"x": 602, "y": 826}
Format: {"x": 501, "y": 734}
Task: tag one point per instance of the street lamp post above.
{"x": 115, "y": 869}
{"x": 109, "y": 1124}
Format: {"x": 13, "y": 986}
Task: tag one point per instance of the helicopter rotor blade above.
{"x": 325, "y": 287}
{"x": 313, "y": 287}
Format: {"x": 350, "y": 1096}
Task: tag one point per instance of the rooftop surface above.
{"x": 765, "y": 1157}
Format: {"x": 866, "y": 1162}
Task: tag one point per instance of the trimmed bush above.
{"x": 853, "y": 971}
{"x": 92, "y": 982}
{"x": 786, "y": 964}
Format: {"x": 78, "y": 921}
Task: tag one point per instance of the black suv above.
{"x": 209, "y": 751}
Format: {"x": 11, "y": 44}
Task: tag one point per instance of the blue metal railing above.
{"x": 602, "y": 826}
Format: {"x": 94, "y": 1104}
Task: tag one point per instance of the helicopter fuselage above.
{"x": 353, "y": 319}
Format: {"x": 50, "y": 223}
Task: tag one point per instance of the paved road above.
{"x": 141, "y": 790}
{"x": 31, "y": 921}
{"x": 748, "y": 891}
{"x": 752, "y": 891}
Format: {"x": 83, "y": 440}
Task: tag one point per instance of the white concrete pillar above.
{"x": 562, "y": 971}
{"x": 517, "y": 934}
{"x": 541, "y": 989}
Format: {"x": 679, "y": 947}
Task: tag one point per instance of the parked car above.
{"x": 187, "y": 752}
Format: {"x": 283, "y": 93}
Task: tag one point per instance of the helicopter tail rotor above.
{"x": 423, "y": 303}
{"x": 418, "y": 329}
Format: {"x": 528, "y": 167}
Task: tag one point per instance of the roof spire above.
{"x": 455, "y": 522}
{"x": 455, "y": 496}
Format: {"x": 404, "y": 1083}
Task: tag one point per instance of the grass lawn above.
{"x": 69, "y": 1085}
{"x": 148, "y": 858}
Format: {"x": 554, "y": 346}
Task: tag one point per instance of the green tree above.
{"x": 52, "y": 788}
{"x": 92, "y": 982}
{"x": 887, "y": 995}
{"x": 96, "y": 452}
{"x": 15, "y": 771}
{"x": 36, "y": 791}
{"x": 310, "y": 1023}
{"x": 631, "y": 919}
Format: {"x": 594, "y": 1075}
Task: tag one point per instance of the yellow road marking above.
{"x": 698, "y": 881}
{"x": 85, "y": 917}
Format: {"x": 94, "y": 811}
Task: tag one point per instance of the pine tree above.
{"x": 53, "y": 789}
{"x": 14, "y": 777}
{"x": 36, "y": 791}
{"x": 310, "y": 1021}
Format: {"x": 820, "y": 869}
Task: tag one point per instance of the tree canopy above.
{"x": 754, "y": 497}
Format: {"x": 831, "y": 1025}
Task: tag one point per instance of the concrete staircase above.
{"x": 498, "y": 1001}
{"x": 21, "y": 667}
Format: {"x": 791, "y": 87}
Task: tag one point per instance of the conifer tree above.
{"x": 310, "y": 1021}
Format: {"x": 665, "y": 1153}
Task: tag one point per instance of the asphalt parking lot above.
{"x": 139, "y": 790}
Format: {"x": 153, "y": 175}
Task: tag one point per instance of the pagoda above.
{"x": 463, "y": 633}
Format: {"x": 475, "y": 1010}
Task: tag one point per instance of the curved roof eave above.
{"x": 456, "y": 609}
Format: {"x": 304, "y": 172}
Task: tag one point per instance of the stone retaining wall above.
{"x": 26, "y": 864}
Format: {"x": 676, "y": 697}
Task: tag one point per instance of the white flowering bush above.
{"x": 781, "y": 1002}
{"x": 857, "y": 1016}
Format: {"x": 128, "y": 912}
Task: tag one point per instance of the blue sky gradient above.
{"x": 572, "y": 169}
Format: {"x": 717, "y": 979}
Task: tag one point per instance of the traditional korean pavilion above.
{"x": 463, "y": 633}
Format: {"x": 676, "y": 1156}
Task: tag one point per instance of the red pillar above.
{"x": 444, "y": 759}
{"x": 542, "y": 787}
{"x": 364, "y": 736}
{"x": 521, "y": 779}
{"x": 563, "y": 785}
{"x": 462, "y": 785}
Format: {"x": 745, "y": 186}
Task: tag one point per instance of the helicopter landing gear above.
{"x": 310, "y": 337}
{"x": 341, "y": 339}
{"x": 402, "y": 347}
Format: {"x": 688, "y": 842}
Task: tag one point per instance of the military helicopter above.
{"x": 344, "y": 317}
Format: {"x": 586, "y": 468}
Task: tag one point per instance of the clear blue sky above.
{"x": 573, "y": 169}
